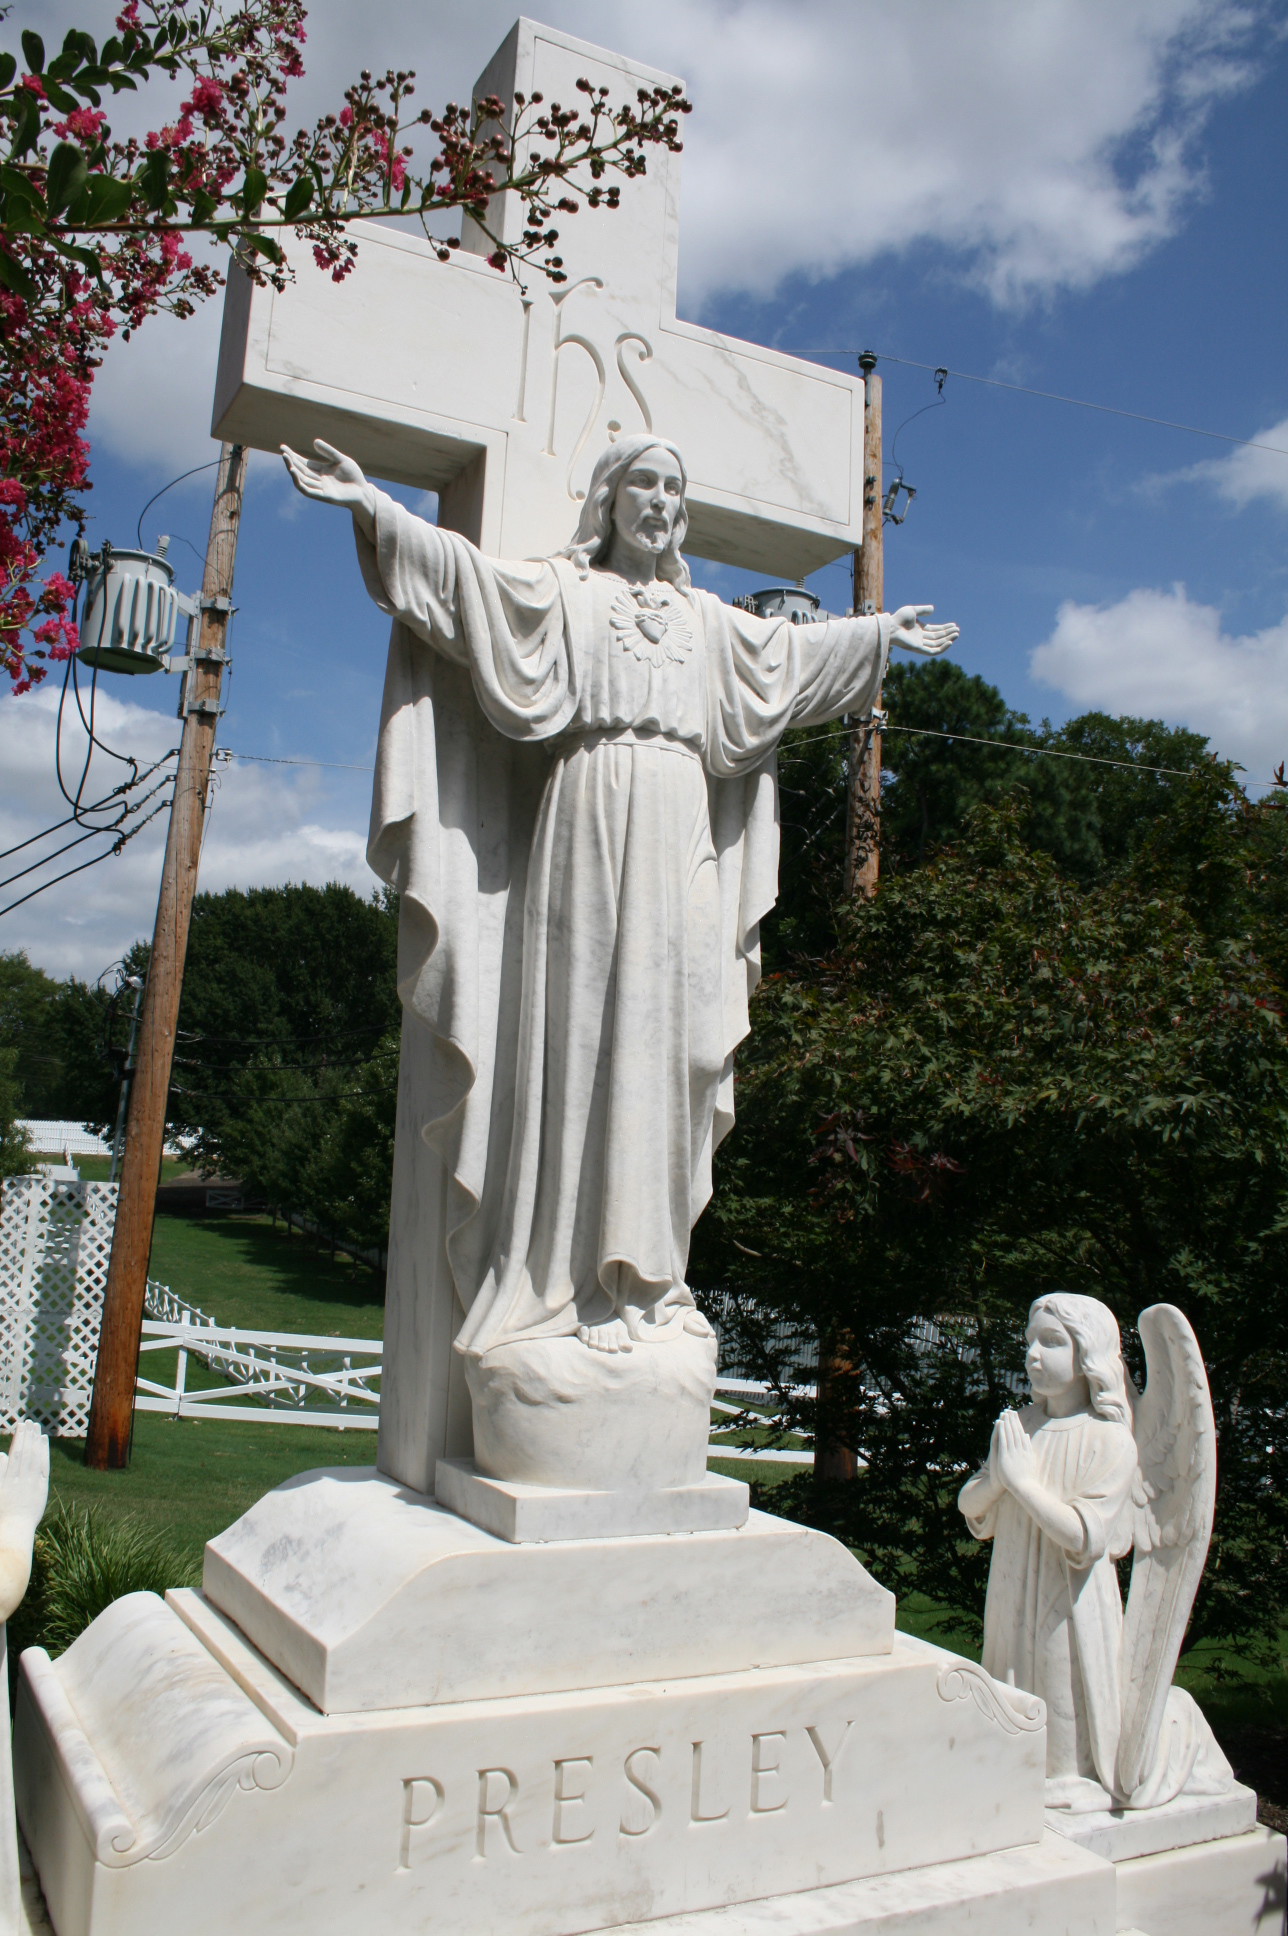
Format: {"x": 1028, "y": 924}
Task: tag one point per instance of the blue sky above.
{"x": 1093, "y": 205}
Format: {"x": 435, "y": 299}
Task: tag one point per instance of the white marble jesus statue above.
{"x": 576, "y": 799}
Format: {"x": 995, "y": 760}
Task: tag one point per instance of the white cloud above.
{"x": 266, "y": 827}
{"x": 1043, "y": 147}
{"x": 1247, "y": 474}
{"x": 1158, "y": 655}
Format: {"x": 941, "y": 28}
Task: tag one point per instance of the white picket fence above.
{"x": 296, "y": 1379}
{"x": 55, "y": 1241}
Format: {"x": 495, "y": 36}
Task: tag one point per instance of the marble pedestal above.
{"x": 378, "y": 1715}
{"x": 1197, "y": 1866}
{"x": 524, "y": 1513}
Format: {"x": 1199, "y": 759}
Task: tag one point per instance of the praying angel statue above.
{"x": 576, "y": 799}
{"x": 1092, "y": 1470}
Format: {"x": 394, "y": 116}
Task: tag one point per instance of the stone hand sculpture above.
{"x": 576, "y": 799}
{"x": 1090, "y": 1471}
{"x": 24, "y": 1494}
{"x": 24, "y": 1490}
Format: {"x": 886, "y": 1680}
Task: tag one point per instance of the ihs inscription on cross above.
{"x": 449, "y": 377}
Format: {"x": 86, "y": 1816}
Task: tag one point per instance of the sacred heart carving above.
{"x": 653, "y": 624}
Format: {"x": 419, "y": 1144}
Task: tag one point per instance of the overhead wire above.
{"x": 1007, "y": 745}
{"x": 1054, "y": 396}
{"x": 276, "y": 759}
{"x": 182, "y": 478}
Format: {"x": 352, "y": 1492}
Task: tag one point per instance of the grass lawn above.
{"x": 94, "y": 1169}
{"x": 240, "y": 1270}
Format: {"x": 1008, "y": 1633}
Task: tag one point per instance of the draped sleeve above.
{"x": 502, "y": 620}
{"x": 766, "y": 674}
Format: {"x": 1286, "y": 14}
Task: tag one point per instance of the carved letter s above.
{"x": 650, "y": 1795}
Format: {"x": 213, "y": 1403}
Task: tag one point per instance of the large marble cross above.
{"x": 449, "y": 377}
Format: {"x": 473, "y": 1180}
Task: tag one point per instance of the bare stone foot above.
{"x": 609, "y": 1337}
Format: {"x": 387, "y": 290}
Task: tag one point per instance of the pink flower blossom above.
{"x": 207, "y": 100}
{"x": 34, "y": 85}
{"x": 83, "y": 123}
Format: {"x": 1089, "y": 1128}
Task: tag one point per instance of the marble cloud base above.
{"x": 379, "y": 1716}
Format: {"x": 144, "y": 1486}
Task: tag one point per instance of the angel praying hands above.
{"x": 1087, "y": 1472}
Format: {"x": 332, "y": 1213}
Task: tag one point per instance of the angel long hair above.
{"x": 590, "y": 541}
{"x": 1097, "y": 1349}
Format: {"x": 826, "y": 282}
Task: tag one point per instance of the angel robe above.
{"x": 576, "y": 799}
{"x": 1053, "y": 1619}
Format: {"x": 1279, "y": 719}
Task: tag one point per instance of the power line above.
{"x": 1017, "y": 746}
{"x": 117, "y": 847}
{"x": 272, "y": 759}
{"x": 1053, "y": 396}
{"x": 1049, "y": 752}
{"x": 194, "y": 472}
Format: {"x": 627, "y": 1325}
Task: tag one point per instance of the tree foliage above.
{"x": 1004, "y": 1078}
{"x": 286, "y": 1060}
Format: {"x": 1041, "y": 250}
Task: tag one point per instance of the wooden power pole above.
{"x": 833, "y": 1459}
{"x": 863, "y": 806}
{"x": 111, "y": 1418}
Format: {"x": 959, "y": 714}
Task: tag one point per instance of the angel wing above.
{"x": 1172, "y": 1501}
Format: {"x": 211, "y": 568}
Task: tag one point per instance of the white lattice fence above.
{"x": 55, "y": 1241}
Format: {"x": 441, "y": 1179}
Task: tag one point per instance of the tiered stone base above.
{"x": 379, "y": 1716}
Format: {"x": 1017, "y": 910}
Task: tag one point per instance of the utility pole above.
{"x": 111, "y": 1418}
{"x": 863, "y": 806}
{"x": 136, "y": 983}
{"x": 832, "y": 1458}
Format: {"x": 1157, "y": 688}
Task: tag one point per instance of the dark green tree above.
{"x": 15, "y": 1159}
{"x": 1003, "y": 1080}
{"x": 296, "y": 980}
{"x": 67, "y": 1039}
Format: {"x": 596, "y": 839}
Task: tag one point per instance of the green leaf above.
{"x": 298, "y": 197}
{"x": 59, "y": 98}
{"x": 202, "y": 205}
{"x": 27, "y": 128}
{"x": 154, "y": 179}
{"x": 65, "y": 178}
{"x": 8, "y": 68}
{"x": 107, "y": 198}
{"x": 14, "y": 278}
{"x": 21, "y": 187}
{"x": 81, "y": 45}
{"x": 74, "y": 253}
{"x": 261, "y": 245}
{"x": 254, "y": 189}
{"x": 34, "y": 49}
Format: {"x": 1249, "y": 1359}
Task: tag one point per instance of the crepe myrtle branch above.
{"x": 95, "y": 232}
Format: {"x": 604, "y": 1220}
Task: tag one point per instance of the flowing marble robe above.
{"x": 1053, "y": 1619}
{"x": 576, "y": 798}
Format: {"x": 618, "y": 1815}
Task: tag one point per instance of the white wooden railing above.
{"x": 296, "y": 1379}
